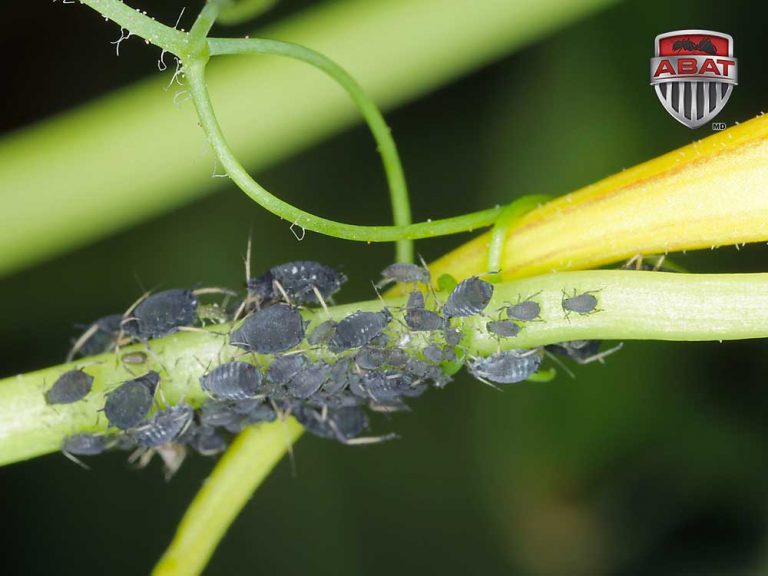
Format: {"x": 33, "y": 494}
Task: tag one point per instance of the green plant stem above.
{"x": 633, "y": 305}
{"x": 198, "y": 34}
{"x": 195, "y": 74}
{"x": 401, "y": 208}
{"x": 139, "y": 24}
{"x": 246, "y": 464}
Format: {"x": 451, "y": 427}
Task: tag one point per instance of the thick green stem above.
{"x": 632, "y": 305}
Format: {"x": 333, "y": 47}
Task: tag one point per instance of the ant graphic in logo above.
{"x": 689, "y": 46}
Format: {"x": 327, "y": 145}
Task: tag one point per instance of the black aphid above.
{"x": 161, "y": 314}
{"x": 421, "y": 320}
{"x": 85, "y": 444}
{"x": 206, "y": 441}
{"x": 99, "y": 337}
{"x": 396, "y": 357}
{"x": 359, "y": 328}
{"x": 283, "y": 368}
{"x": 338, "y": 376}
{"x": 583, "y": 304}
{"x": 452, "y": 335}
{"x": 308, "y": 380}
{"x": 368, "y": 358}
{"x": 433, "y": 353}
{"x": 404, "y": 272}
{"x": 582, "y": 351}
{"x": 219, "y": 414}
{"x": 389, "y": 385}
{"x": 507, "y": 367}
{"x": 415, "y": 300}
{"x": 274, "y": 329}
{"x": 70, "y": 387}
{"x": 422, "y": 370}
{"x": 233, "y": 381}
{"x": 322, "y": 334}
{"x": 524, "y": 311}
{"x": 299, "y": 280}
{"x": 128, "y": 404}
{"x": 342, "y": 424}
{"x": 164, "y": 426}
{"x": 470, "y": 297}
{"x": 261, "y": 413}
{"x": 503, "y": 328}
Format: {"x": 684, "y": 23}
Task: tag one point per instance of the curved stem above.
{"x": 398, "y": 191}
{"x": 196, "y": 80}
{"x": 246, "y": 464}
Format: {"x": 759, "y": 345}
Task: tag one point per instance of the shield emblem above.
{"x": 693, "y": 73}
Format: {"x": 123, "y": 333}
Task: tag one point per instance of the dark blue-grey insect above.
{"x": 274, "y": 329}
{"x": 283, "y": 368}
{"x": 70, "y": 387}
{"x": 433, "y": 353}
{"x": 359, "y": 328}
{"x": 421, "y": 370}
{"x": 405, "y": 273}
{"x": 98, "y": 338}
{"x": 503, "y": 328}
{"x": 85, "y": 444}
{"x": 507, "y": 367}
{"x": 396, "y": 357}
{"x": 524, "y": 311}
{"x": 205, "y": 440}
{"x": 322, "y": 334}
{"x": 422, "y": 320}
{"x": 161, "y": 314}
{"x": 308, "y": 380}
{"x": 233, "y": 381}
{"x": 469, "y": 297}
{"x": 164, "y": 426}
{"x": 262, "y": 413}
{"x": 415, "y": 300}
{"x": 300, "y": 281}
{"x": 389, "y": 385}
{"x": 369, "y": 358}
{"x": 582, "y": 351}
{"x": 582, "y": 304}
{"x": 343, "y": 424}
{"x": 452, "y": 335}
{"x": 338, "y": 376}
{"x": 219, "y": 414}
{"x": 128, "y": 404}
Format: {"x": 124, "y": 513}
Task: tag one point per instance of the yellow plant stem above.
{"x": 246, "y": 464}
{"x": 710, "y": 193}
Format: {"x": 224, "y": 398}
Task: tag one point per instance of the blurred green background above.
{"x": 652, "y": 464}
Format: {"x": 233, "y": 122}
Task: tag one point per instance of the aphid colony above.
{"x": 329, "y": 378}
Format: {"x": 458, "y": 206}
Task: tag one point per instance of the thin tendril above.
{"x": 195, "y": 75}
{"x": 398, "y": 190}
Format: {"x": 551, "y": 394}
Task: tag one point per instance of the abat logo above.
{"x": 694, "y": 73}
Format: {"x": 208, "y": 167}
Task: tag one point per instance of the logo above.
{"x": 693, "y": 73}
